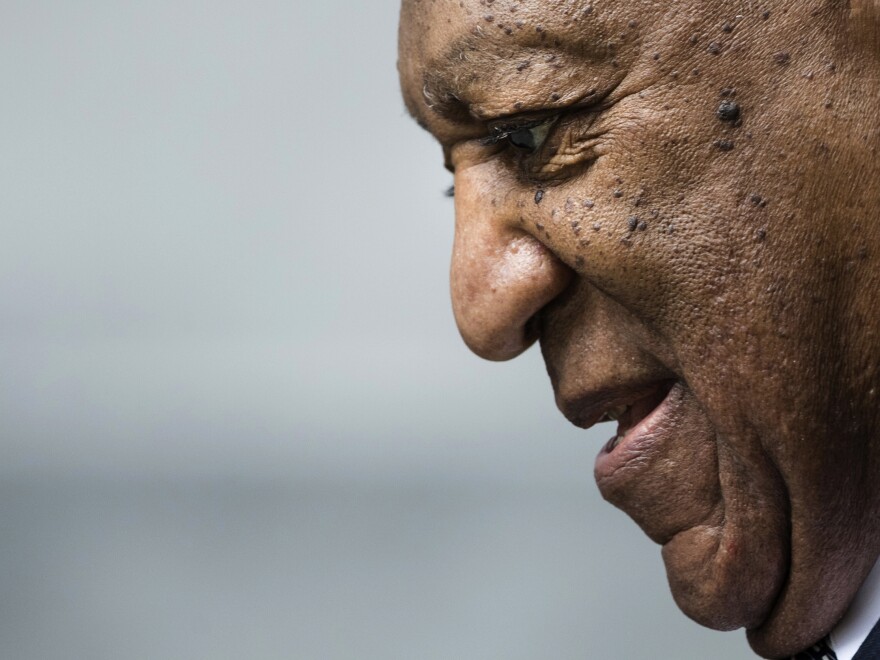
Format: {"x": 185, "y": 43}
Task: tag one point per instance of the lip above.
{"x": 657, "y": 428}
{"x": 588, "y": 410}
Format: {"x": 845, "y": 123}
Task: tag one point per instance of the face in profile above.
{"x": 679, "y": 200}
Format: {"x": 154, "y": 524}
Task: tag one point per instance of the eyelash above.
{"x": 502, "y": 132}
{"x": 531, "y": 159}
{"x": 498, "y": 133}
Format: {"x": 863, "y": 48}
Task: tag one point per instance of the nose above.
{"x": 502, "y": 274}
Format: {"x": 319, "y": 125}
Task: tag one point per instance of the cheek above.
{"x": 689, "y": 221}
{"x": 682, "y": 198}
{"x": 662, "y": 245}
{"x": 679, "y": 232}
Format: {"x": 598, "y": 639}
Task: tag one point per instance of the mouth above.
{"x": 648, "y": 417}
{"x": 628, "y": 406}
{"x": 634, "y": 417}
{"x": 664, "y": 467}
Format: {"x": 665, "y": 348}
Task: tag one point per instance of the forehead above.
{"x": 488, "y": 53}
{"x": 465, "y": 62}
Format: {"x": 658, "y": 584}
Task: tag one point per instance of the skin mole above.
{"x": 728, "y": 110}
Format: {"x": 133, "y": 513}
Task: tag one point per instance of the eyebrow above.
{"x": 447, "y": 77}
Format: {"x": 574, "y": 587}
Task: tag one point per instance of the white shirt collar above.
{"x": 860, "y": 618}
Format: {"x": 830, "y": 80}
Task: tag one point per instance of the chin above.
{"x": 719, "y": 587}
{"x": 711, "y": 499}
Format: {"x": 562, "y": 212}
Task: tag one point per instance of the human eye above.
{"x": 551, "y": 147}
{"x": 526, "y": 136}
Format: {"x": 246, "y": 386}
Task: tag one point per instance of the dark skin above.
{"x": 680, "y": 201}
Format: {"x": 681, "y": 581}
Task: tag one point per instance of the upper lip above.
{"x": 588, "y": 409}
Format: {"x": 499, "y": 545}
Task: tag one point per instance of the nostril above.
{"x": 532, "y": 329}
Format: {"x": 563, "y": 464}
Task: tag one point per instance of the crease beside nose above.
{"x": 501, "y": 277}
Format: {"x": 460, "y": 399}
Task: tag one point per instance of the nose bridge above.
{"x": 501, "y": 274}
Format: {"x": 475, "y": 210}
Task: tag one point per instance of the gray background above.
{"x": 237, "y": 420}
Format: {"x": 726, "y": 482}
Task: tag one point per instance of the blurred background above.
{"x": 236, "y": 419}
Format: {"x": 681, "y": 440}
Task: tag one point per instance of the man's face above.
{"x": 678, "y": 200}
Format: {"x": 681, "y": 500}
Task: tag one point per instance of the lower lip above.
{"x": 653, "y": 430}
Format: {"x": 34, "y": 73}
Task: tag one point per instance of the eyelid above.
{"x": 514, "y": 122}
{"x": 500, "y": 129}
